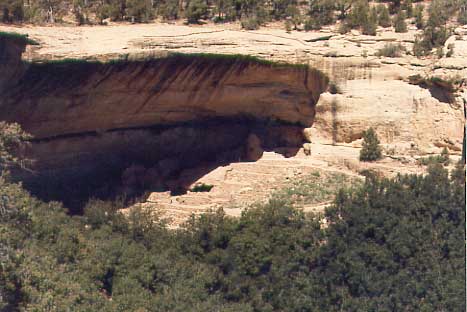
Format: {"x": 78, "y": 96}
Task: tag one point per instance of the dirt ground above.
{"x": 271, "y": 42}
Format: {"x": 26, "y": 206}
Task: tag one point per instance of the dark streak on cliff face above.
{"x": 93, "y": 120}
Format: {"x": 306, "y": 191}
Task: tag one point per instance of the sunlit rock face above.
{"x": 63, "y": 98}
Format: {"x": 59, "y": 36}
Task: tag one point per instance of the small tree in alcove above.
{"x": 371, "y": 149}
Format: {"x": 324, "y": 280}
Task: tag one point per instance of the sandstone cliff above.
{"x": 91, "y": 120}
{"x": 68, "y": 97}
{"x": 373, "y": 91}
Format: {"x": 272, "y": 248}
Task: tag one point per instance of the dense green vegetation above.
{"x": 391, "y": 50}
{"x": 388, "y": 245}
{"x": 202, "y": 187}
{"x": 312, "y": 14}
{"x": 435, "y": 31}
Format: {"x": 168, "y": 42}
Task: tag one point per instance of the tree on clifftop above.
{"x": 196, "y": 10}
{"x": 11, "y": 11}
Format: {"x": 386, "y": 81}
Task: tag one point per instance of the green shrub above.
{"x": 344, "y": 28}
{"x": 197, "y": 9}
{"x": 437, "y": 16}
{"x": 312, "y": 24}
{"x": 436, "y": 36}
{"x": 139, "y": 10}
{"x": 393, "y": 212}
{"x": 462, "y": 16}
{"x": 383, "y": 238}
{"x": 436, "y": 159}
{"x": 384, "y": 20}
{"x": 371, "y": 150}
{"x": 370, "y": 25}
{"x": 12, "y": 138}
{"x": 321, "y": 13}
{"x": 110, "y": 10}
{"x": 432, "y": 37}
{"x": 449, "y": 85}
{"x": 394, "y": 6}
{"x": 438, "y": 13}
{"x": 202, "y": 187}
{"x": 419, "y": 23}
{"x": 251, "y": 23}
{"x": 11, "y": 11}
{"x": 81, "y": 11}
{"x": 293, "y": 13}
{"x": 435, "y": 32}
{"x": 400, "y": 26}
{"x": 80, "y": 18}
{"x": 169, "y": 10}
{"x": 359, "y": 14}
{"x": 420, "y": 47}
{"x": 408, "y": 7}
{"x": 362, "y": 17}
{"x": 430, "y": 160}
{"x": 33, "y": 14}
{"x": 102, "y": 12}
{"x": 391, "y": 50}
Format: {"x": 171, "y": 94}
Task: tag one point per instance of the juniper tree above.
{"x": 371, "y": 149}
{"x": 196, "y": 10}
{"x": 384, "y": 20}
{"x": 462, "y": 15}
{"x": 408, "y": 7}
{"x": 400, "y": 25}
{"x": 419, "y": 16}
{"x": 369, "y": 26}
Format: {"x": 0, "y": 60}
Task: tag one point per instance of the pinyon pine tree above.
{"x": 400, "y": 25}
{"x": 384, "y": 20}
{"x": 419, "y": 16}
{"x": 371, "y": 149}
